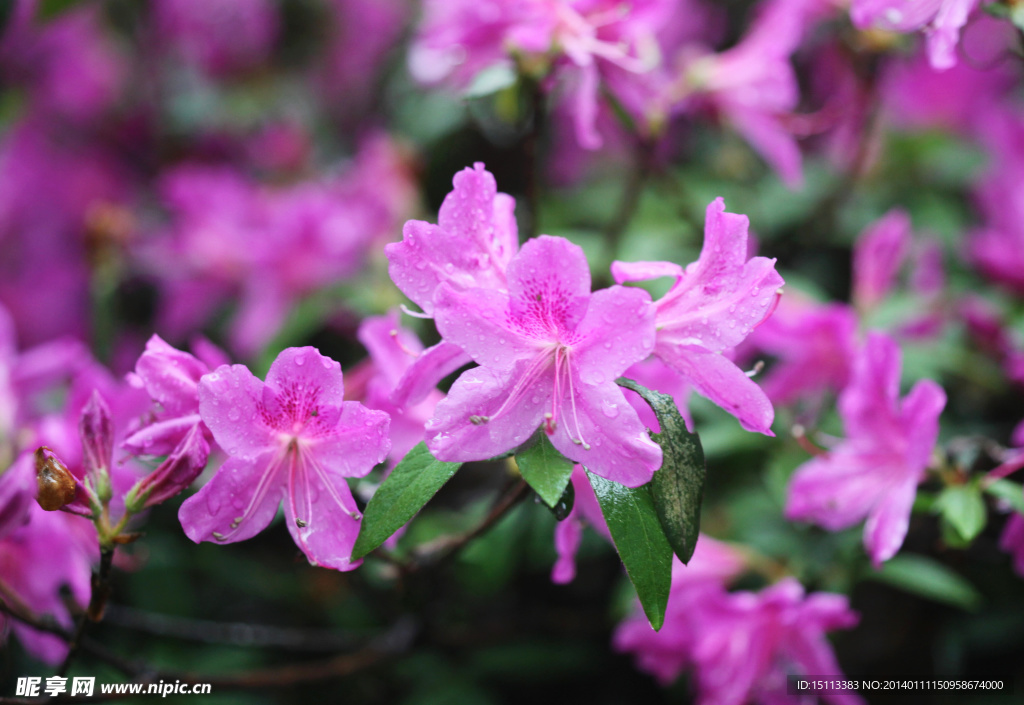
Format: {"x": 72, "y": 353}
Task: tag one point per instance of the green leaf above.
{"x": 678, "y": 487}
{"x": 964, "y": 509}
{"x": 1009, "y": 492}
{"x": 930, "y": 579}
{"x": 409, "y": 486}
{"x": 640, "y": 540}
{"x": 49, "y": 9}
{"x": 491, "y": 80}
{"x": 545, "y": 470}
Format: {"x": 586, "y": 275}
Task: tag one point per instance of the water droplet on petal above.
{"x": 610, "y": 410}
{"x": 300, "y": 361}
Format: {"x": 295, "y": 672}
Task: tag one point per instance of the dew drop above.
{"x": 610, "y": 410}
{"x": 300, "y": 361}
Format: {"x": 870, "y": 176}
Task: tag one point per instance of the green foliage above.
{"x": 638, "y": 537}
{"x": 545, "y": 470}
{"x": 678, "y": 486}
{"x": 928, "y": 578}
{"x": 410, "y": 485}
{"x": 963, "y": 509}
{"x": 1009, "y": 492}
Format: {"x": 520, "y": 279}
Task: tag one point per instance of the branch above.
{"x": 97, "y": 603}
{"x": 439, "y": 551}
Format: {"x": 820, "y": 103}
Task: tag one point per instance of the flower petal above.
{"x": 170, "y": 376}
{"x": 231, "y": 405}
{"x": 548, "y": 286}
{"x": 307, "y": 389}
{"x": 422, "y": 377}
{"x": 238, "y": 502}
{"x": 642, "y": 271}
{"x": 720, "y": 380}
{"x": 322, "y": 516}
{"x": 479, "y": 394}
{"x": 835, "y": 491}
{"x": 601, "y": 431}
{"x": 358, "y": 441}
{"x": 477, "y": 321}
{"x": 888, "y": 522}
{"x": 617, "y": 332}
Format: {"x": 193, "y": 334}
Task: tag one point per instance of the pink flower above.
{"x": 941, "y": 21}
{"x": 713, "y": 305}
{"x": 292, "y": 438}
{"x": 753, "y": 84}
{"x": 50, "y": 552}
{"x": 740, "y": 646}
{"x": 549, "y": 353}
{"x": 393, "y": 349}
{"x": 668, "y": 652}
{"x": 572, "y": 43}
{"x": 875, "y": 471}
{"x": 171, "y": 378}
{"x": 877, "y": 257}
{"x": 219, "y": 37}
{"x": 814, "y": 345}
{"x": 471, "y": 246}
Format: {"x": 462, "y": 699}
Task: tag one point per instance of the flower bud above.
{"x": 173, "y": 475}
{"x": 56, "y": 484}
{"x": 97, "y": 434}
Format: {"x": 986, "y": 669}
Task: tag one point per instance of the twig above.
{"x": 630, "y": 199}
{"x": 438, "y": 552}
{"x": 97, "y": 603}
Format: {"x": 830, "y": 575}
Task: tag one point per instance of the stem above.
{"x": 97, "y": 603}
{"x": 532, "y": 161}
{"x": 630, "y": 199}
{"x": 1004, "y": 470}
{"x": 440, "y": 551}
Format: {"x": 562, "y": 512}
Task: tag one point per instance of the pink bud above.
{"x": 97, "y": 435}
{"x": 173, "y": 475}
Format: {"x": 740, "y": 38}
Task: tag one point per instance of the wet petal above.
{"x": 238, "y": 502}
{"x": 230, "y": 404}
{"x": 549, "y": 287}
{"x": 613, "y": 442}
{"x": 477, "y": 321}
{"x": 358, "y": 441}
{"x": 617, "y": 332}
{"x": 322, "y": 516}
{"x": 720, "y": 380}
{"x": 422, "y": 377}
{"x": 466, "y": 425}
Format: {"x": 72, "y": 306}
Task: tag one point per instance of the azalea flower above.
{"x": 171, "y": 378}
{"x": 875, "y": 471}
{"x": 474, "y": 240}
{"x": 713, "y": 306}
{"x": 549, "y": 353}
{"x": 292, "y": 438}
{"x": 941, "y": 21}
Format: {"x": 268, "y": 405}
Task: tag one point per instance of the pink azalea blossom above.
{"x": 219, "y": 37}
{"x": 916, "y": 96}
{"x": 740, "y": 646}
{"x": 941, "y": 21}
{"x": 668, "y": 652}
{"x": 50, "y": 552}
{"x": 875, "y": 471}
{"x": 171, "y": 378}
{"x": 231, "y": 237}
{"x": 292, "y": 438}
{"x": 814, "y": 345}
{"x": 471, "y": 246}
{"x": 393, "y": 349}
{"x": 877, "y": 257}
{"x": 753, "y": 85}
{"x": 713, "y": 306}
{"x": 574, "y": 43}
{"x": 549, "y": 353}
